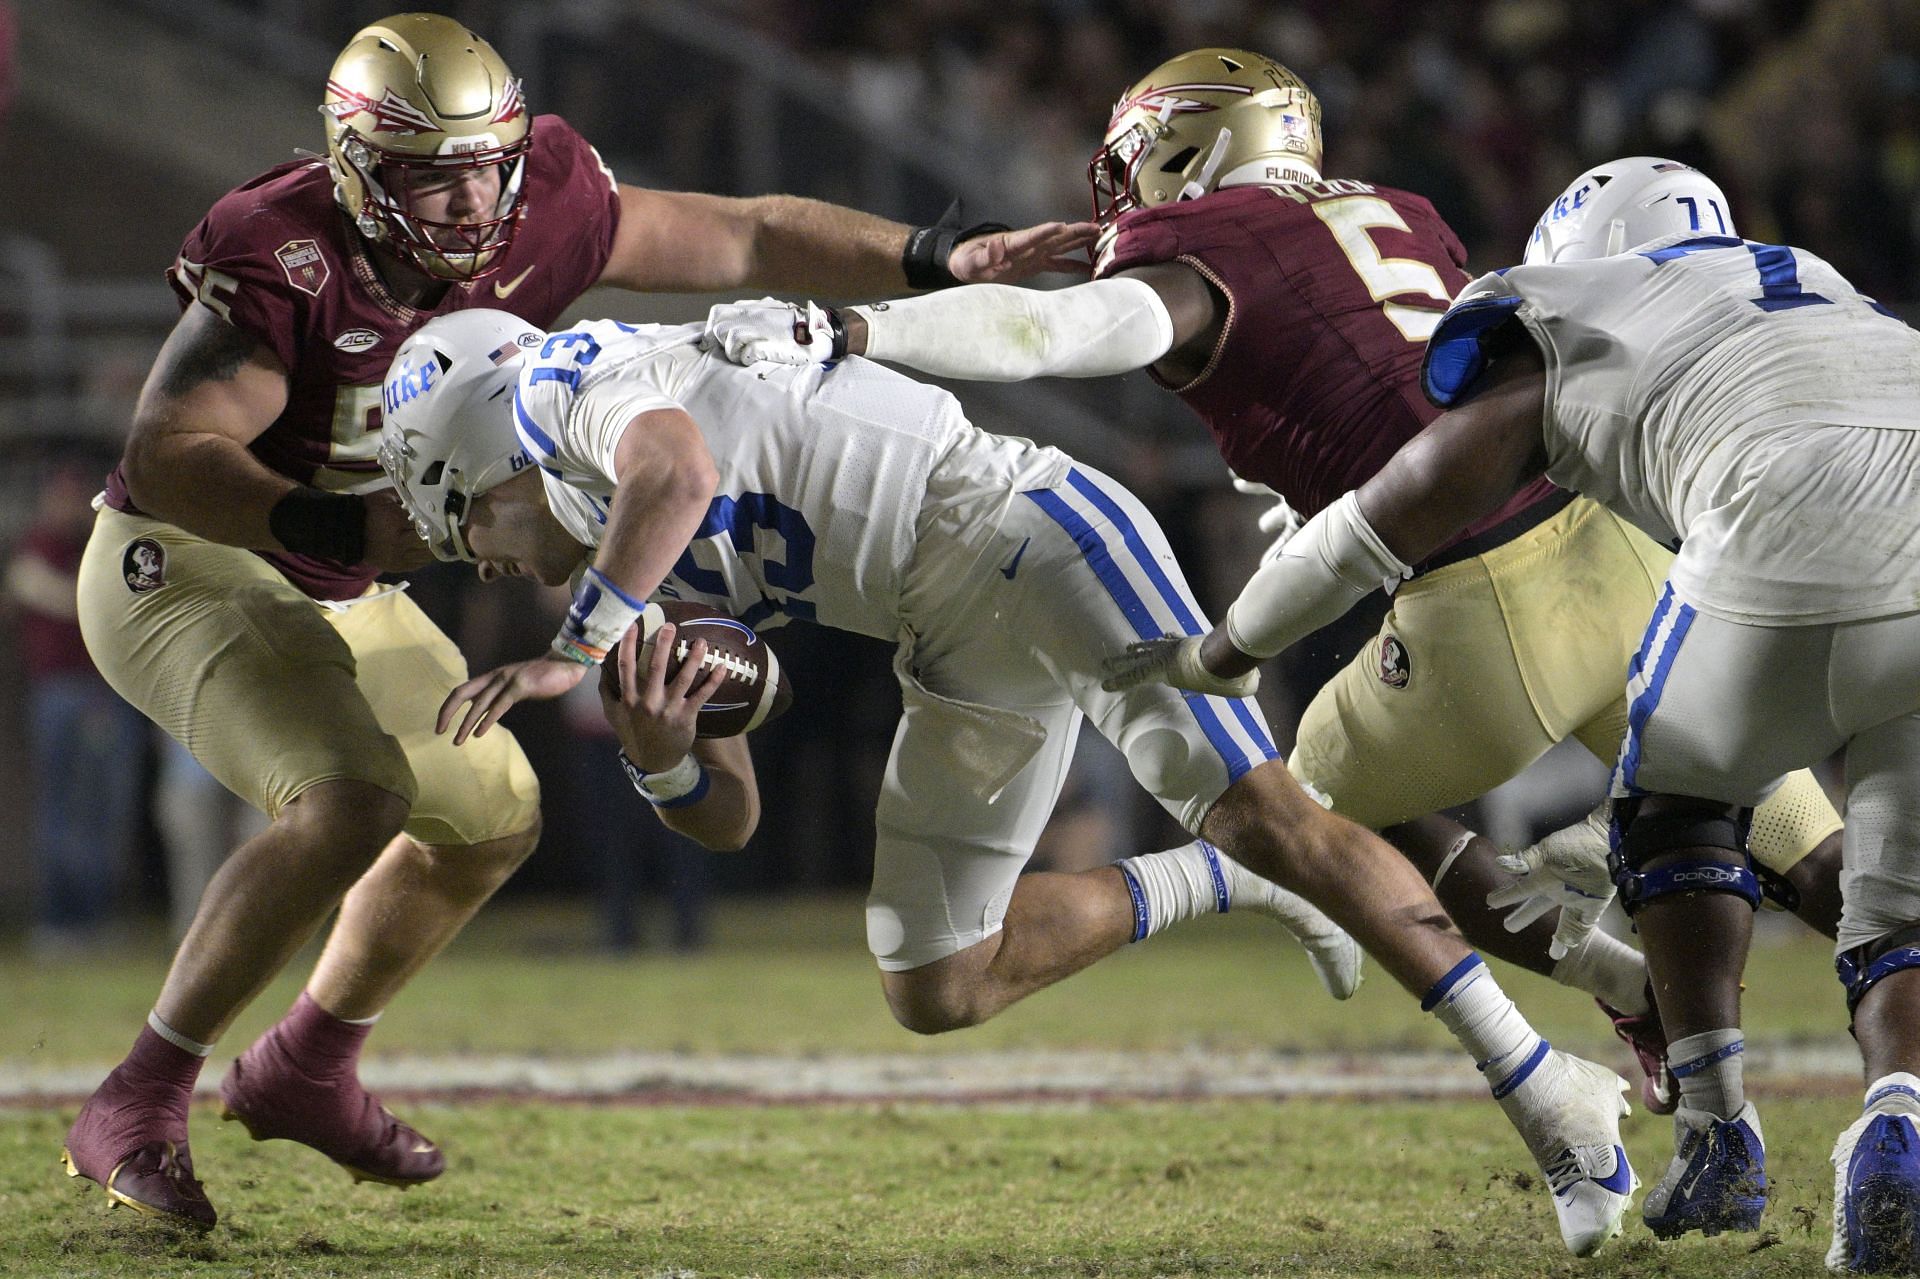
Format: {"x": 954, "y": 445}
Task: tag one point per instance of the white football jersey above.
{"x": 823, "y": 469}
{"x": 1739, "y": 400}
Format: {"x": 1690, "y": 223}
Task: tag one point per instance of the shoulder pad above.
{"x": 1455, "y": 358}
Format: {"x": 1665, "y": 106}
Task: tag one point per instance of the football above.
{"x": 755, "y": 690}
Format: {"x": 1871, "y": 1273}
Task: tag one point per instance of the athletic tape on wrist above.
{"x": 601, "y": 613}
{"x": 683, "y": 784}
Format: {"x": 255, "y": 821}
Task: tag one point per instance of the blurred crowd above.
{"x": 1808, "y": 112}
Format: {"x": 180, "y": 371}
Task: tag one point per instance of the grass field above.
{"x": 537, "y": 1187}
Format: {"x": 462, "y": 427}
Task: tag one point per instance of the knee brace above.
{"x": 1636, "y": 840}
{"x": 1861, "y": 968}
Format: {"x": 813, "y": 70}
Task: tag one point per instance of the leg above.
{"x": 1478, "y": 670}
{"x": 1876, "y": 1222}
{"x": 229, "y": 658}
{"x": 1565, "y": 1109}
{"x": 476, "y": 818}
{"x": 1700, "y": 747}
{"x": 268, "y": 899}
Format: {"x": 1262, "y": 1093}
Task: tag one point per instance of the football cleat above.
{"x": 1643, "y": 1033}
{"x": 1717, "y": 1180}
{"x": 1568, "y": 1112}
{"x": 271, "y": 1097}
{"x": 1876, "y": 1192}
{"x": 1335, "y": 956}
{"x": 135, "y": 1148}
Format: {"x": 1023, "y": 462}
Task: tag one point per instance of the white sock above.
{"x": 1708, "y": 1068}
{"x": 1894, "y": 1094}
{"x": 1609, "y": 969}
{"x": 1174, "y": 886}
{"x": 1470, "y": 1003}
{"x": 177, "y": 1039}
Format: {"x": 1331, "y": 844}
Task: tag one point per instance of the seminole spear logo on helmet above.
{"x": 1203, "y": 120}
{"x": 414, "y": 98}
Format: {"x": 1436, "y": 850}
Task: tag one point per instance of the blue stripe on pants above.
{"x": 1189, "y": 624}
{"x": 1644, "y": 705}
{"x": 1135, "y": 610}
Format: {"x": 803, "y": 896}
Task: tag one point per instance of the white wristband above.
{"x": 601, "y": 613}
{"x": 684, "y": 783}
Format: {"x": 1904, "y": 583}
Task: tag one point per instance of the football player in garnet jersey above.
{"x": 1290, "y": 311}
{"x": 259, "y": 638}
{"x": 635, "y": 462}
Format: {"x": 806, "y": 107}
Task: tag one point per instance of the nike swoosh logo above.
{"x": 1621, "y": 1182}
{"x": 502, "y": 290}
{"x": 1013, "y": 565}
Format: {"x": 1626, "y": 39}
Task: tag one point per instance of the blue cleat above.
{"x": 1876, "y": 1192}
{"x": 1717, "y": 1180}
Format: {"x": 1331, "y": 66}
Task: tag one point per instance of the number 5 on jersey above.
{"x": 1351, "y": 218}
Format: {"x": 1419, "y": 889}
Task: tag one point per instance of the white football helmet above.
{"x": 1615, "y": 206}
{"x": 447, "y": 433}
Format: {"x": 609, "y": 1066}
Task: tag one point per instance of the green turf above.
{"x": 1291, "y": 1188}
{"x": 1256, "y": 1188}
{"x": 794, "y": 976}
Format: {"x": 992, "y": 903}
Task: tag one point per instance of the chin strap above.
{"x": 1203, "y": 181}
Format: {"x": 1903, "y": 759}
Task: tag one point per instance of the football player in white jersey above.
{"x": 1744, "y": 403}
{"x": 639, "y": 464}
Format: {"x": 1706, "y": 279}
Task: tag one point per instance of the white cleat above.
{"x": 1336, "y": 957}
{"x": 1568, "y": 1112}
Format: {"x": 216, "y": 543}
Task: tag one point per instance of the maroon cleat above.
{"x": 133, "y": 1144}
{"x": 1643, "y": 1033}
{"x": 272, "y": 1097}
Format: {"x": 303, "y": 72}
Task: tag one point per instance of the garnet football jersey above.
{"x": 1332, "y": 289}
{"x": 277, "y": 259}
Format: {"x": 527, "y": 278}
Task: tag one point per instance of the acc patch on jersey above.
{"x": 305, "y": 265}
{"x": 144, "y": 565}
{"x": 1396, "y": 666}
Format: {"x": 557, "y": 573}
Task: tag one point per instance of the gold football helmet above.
{"x": 416, "y": 95}
{"x": 1202, "y": 120}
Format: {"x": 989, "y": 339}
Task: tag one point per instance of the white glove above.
{"x": 1279, "y": 521}
{"x": 767, "y": 329}
{"x": 1567, "y": 870}
{"x": 1174, "y": 660}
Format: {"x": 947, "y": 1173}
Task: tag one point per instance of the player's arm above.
{"x": 714, "y": 800}
{"x": 665, "y": 477}
{"x": 1461, "y": 468}
{"x": 212, "y": 390}
{"x": 681, "y": 241}
{"x": 993, "y": 333}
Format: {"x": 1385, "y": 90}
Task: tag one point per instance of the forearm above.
{"x": 808, "y": 246}
{"x": 206, "y": 483}
{"x": 654, "y": 517}
{"x": 1331, "y": 564}
{"x": 726, "y": 816}
{"x": 998, "y": 333}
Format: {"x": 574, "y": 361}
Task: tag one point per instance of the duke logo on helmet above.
{"x": 446, "y": 432}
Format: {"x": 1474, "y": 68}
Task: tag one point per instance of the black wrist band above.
{"x": 924, "y": 260}
{"x": 332, "y": 526}
{"x": 837, "y": 332}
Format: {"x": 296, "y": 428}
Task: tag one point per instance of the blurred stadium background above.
{"x": 124, "y": 119}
